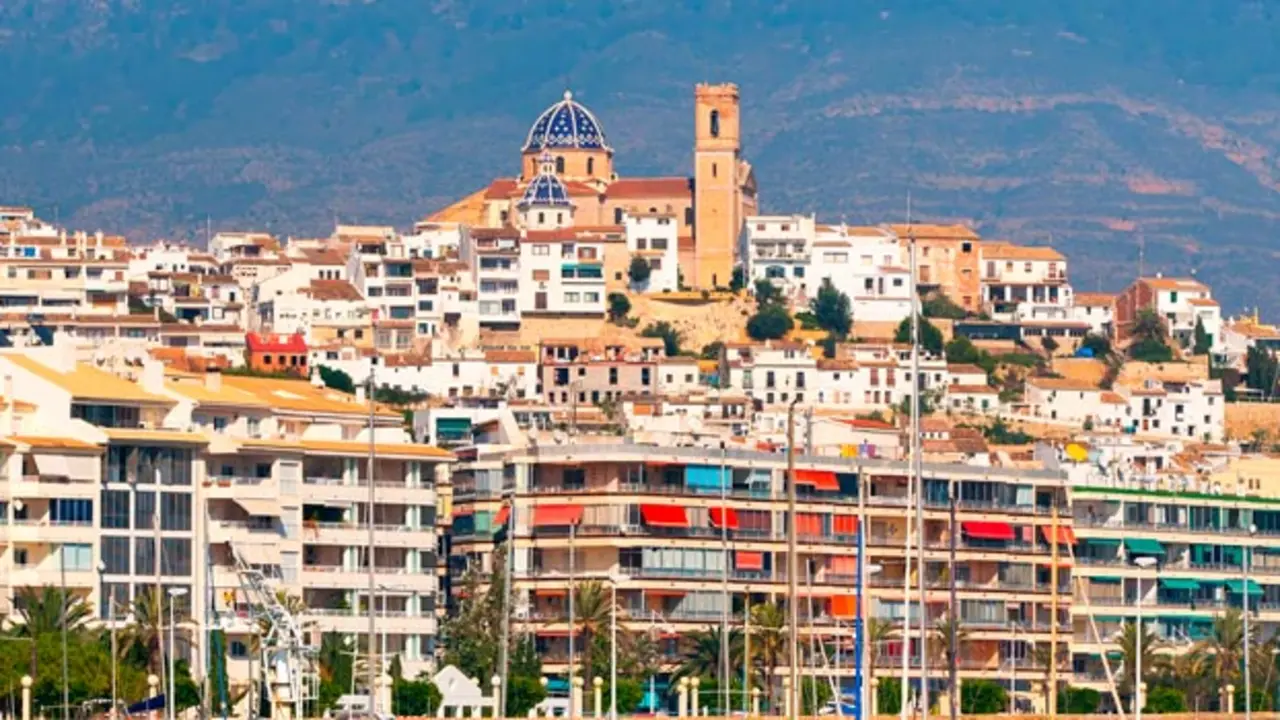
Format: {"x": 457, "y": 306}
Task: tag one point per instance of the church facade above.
{"x": 566, "y": 145}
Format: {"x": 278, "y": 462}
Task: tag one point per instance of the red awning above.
{"x": 1065, "y": 534}
{"x": 730, "y": 518}
{"x": 502, "y": 517}
{"x": 844, "y": 524}
{"x": 556, "y": 515}
{"x": 748, "y": 560}
{"x": 809, "y": 524}
{"x": 819, "y": 479}
{"x": 664, "y": 516}
{"x": 988, "y": 530}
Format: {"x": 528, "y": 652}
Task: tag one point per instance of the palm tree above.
{"x": 1190, "y": 671}
{"x": 1151, "y": 643}
{"x": 1225, "y": 646}
{"x": 702, "y": 653}
{"x": 143, "y": 635}
{"x": 43, "y": 611}
{"x": 879, "y": 632}
{"x": 591, "y": 621}
{"x": 768, "y": 644}
{"x": 943, "y": 652}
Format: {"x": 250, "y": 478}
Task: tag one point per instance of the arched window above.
{"x": 715, "y": 123}
{"x": 559, "y": 164}
{"x": 591, "y": 166}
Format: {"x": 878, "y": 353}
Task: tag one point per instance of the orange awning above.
{"x": 1065, "y": 534}
{"x": 550, "y": 592}
{"x": 730, "y": 518}
{"x": 809, "y": 524}
{"x": 665, "y": 592}
{"x": 844, "y": 524}
{"x": 844, "y": 606}
{"x": 748, "y": 560}
{"x": 664, "y": 516}
{"x": 557, "y": 515}
{"x": 844, "y": 565}
{"x": 502, "y": 517}
{"x": 819, "y": 479}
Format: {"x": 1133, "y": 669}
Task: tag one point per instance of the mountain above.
{"x": 1111, "y": 130}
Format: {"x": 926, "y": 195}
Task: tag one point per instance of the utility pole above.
{"x": 954, "y": 660}
{"x": 917, "y": 388}
{"x": 373, "y": 587}
{"x": 1053, "y": 611}
{"x": 793, "y": 566}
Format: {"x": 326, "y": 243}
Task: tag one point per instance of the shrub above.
{"x": 770, "y": 323}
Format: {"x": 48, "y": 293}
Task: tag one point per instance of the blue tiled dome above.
{"x": 545, "y": 189}
{"x": 566, "y": 125}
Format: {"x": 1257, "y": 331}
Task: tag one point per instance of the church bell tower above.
{"x": 717, "y": 198}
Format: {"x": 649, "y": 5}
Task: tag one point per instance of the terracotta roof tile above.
{"x": 655, "y": 187}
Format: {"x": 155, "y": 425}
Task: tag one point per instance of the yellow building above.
{"x": 708, "y": 207}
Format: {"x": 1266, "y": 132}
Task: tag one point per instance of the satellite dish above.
{"x": 1077, "y": 452}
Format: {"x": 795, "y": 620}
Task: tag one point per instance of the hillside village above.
{"x": 646, "y": 367}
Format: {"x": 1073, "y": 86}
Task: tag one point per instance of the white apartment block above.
{"x": 266, "y": 472}
{"x": 561, "y": 274}
{"x": 778, "y": 248}
{"x": 435, "y": 240}
{"x": 494, "y": 259}
{"x": 1021, "y": 283}
{"x": 1191, "y": 410}
{"x": 1097, "y": 310}
{"x": 330, "y": 304}
{"x": 655, "y": 238}
{"x": 1179, "y": 302}
{"x": 456, "y": 374}
{"x": 229, "y": 246}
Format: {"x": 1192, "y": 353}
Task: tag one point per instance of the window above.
{"x": 688, "y": 216}
{"x": 71, "y": 512}
{"x": 715, "y": 123}
{"x": 115, "y": 555}
{"x": 613, "y": 376}
{"x": 617, "y": 216}
{"x": 541, "y": 250}
{"x": 175, "y": 556}
{"x": 713, "y": 170}
{"x": 591, "y": 166}
{"x": 559, "y": 164}
{"x": 115, "y": 509}
{"x": 659, "y": 243}
{"x": 572, "y": 298}
{"x": 144, "y": 510}
{"x": 966, "y": 247}
{"x": 77, "y": 557}
{"x": 542, "y": 217}
{"x": 144, "y": 556}
{"x": 175, "y": 511}
{"x": 642, "y": 244}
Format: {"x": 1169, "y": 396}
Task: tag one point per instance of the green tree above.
{"x": 639, "y": 271}
{"x": 336, "y": 379}
{"x": 1049, "y": 344}
{"x": 1079, "y": 701}
{"x": 524, "y": 692}
{"x": 768, "y": 646}
{"x": 1192, "y": 672}
{"x": 44, "y": 609}
{"x": 1225, "y": 646}
{"x": 930, "y": 336}
{"x": 1150, "y": 341}
{"x": 833, "y": 310}
{"x": 771, "y": 322}
{"x": 619, "y": 307}
{"x": 829, "y": 345}
{"x": 631, "y": 692}
{"x": 767, "y": 293}
{"x": 418, "y": 698}
{"x": 938, "y": 305}
{"x": 701, "y": 650}
{"x": 889, "y": 700}
{"x": 711, "y": 351}
{"x": 1262, "y": 370}
{"x": 1152, "y": 644}
{"x": 739, "y": 279}
{"x": 671, "y": 338}
{"x": 472, "y": 636}
{"x": 592, "y": 613}
{"x": 814, "y": 694}
{"x": 1099, "y": 345}
{"x": 1164, "y": 699}
{"x": 960, "y": 350}
{"x": 983, "y": 697}
{"x": 1203, "y": 341}
{"x": 140, "y": 639}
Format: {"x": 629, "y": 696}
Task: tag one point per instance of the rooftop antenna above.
{"x": 1142, "y": 254}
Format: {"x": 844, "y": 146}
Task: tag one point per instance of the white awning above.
{"x": 82, "y": 467}
{"x": 51, "y": 465}
{"x": 258, "y": 554}
{"x": 260, "y": 508}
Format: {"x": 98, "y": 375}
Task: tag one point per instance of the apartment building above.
{"x": 561, "y": 274}
{"x": 1179, "y": 302}
{"x": 779, "y": 249}
{"x": 1021, "y": 283}
{"x": 78, "y": 274}
{"x": 947, "y": 259}
{"x": 1097, "y": 310}
{"x": 1194, "y": 410}
{"x": 493, "y": 255}
{"x": 232, "y": 246}
{"x": 670, "y": 527}
{"x": 589, "y": 371}
{"x": 237, "y": 471}
{"x": 1199, "y": 516}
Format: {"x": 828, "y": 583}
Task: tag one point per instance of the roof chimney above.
{"x": 152, "y": 376}
{"x": 213, "y": 380}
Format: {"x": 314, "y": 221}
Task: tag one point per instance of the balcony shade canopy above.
{"x": 980, "y": 530}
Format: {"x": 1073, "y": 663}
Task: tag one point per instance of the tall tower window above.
{"x": 541, "y": 218}
{"x": 715, "y": 123}
{"x": 713, "y": 170}
{"x": 559, "y": 165}
{"x": 591, "y": 166}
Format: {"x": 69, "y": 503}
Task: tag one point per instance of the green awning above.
{"x": 1143, "y": 546}
{"x": 1105, "y": 578}
{"x": 1101, "y": 541}
{"x": 1109, "y": 618}
{"x": 1179, "y": 584}
{"x": 453, "y": 424}
{"x": 1236, "y": 586}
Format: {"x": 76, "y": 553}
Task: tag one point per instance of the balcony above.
{"x": 38, "y": 487}
{"x": 48, "y": 531}
{"x": 393, "y": 577}
{"x": 389, "y": 621}
{"x": 49, "y": 575}
{"x": 321, "y": 489}
{"x": 230, "y": 487}
{"x": 357, "y": 534}
{"x": 224, "y": 531}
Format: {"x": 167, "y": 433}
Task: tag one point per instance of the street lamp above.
{"x": 1144, "y": 562}
{"x": 174, "y": 594}
{"x": 111, "y": 621}
{"x": 613, "y": 643}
